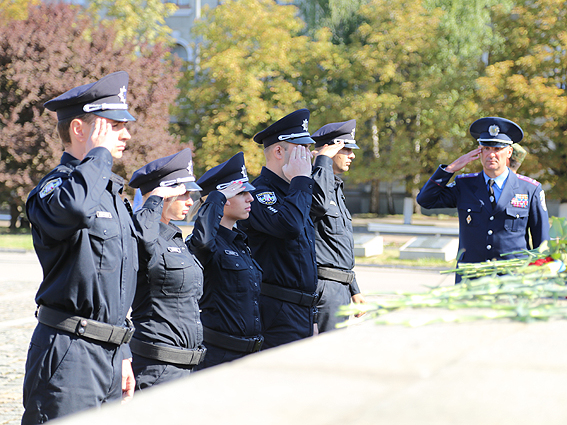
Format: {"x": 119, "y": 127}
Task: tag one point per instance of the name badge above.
{"x": 174, "y": 249}
{"x": 103, "y": 214}
{"x": 229, "y": 252}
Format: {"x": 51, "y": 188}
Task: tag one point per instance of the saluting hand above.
{"x": 328, "y": 150}
{"x": 169, "y": 191}
{"x": 100, "y": 131}
{"x": 299, "y": 163}
{"x": 461, "y": 162}
{"x": 232, "y": 189}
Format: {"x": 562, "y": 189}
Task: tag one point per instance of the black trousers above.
{"x": 66, "y": 374}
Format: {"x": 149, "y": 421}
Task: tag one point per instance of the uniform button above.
{"x": 517, "y": 215}
{"x": 237, "y": 265}
{"x": 251, "y": 267}
{"x": 469, "y": 210}
{"x": 491, "y": 218}
{"x": 81, "y": 330}
{"x": 256, "y": 319}
{"x": 488, "y": 246}
{"x": 83, "y": 322}
{"x": 490, "y": 232}
{"x": 255, "y": 284}
{"x": 104, "y": 231}
{"x": 183, "y": 263}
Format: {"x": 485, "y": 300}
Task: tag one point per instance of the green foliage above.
{"x": 139, "y": 21}
{"x": 252, "y": 65}
{"x": 528, "y": 289}
{"x": 15, "y": 9}
{"x": 525, "y": 82}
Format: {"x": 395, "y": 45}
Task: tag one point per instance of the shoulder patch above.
{"x": 50, "y": 186}
{"x": 267, "y": 198}
{"x": 542, "y": 200}
{"x": 528, "y": 179}
{"x": 464, "y": 176}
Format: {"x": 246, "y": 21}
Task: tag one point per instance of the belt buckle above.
{"x": 129, "y": 332}
{"x": 258, "y": 341}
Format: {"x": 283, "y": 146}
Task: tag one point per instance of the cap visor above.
{"x": 248, "y": 187}
{"x": 192, "y": 186}
{"x": 301, "y": 141}
{"x": 493, "y": 144}
{"x": 352, "y": 146}
{"x": 115, "y": 115}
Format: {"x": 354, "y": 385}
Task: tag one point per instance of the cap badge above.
{"x": 190, "y": 167}
{"x": 352, "y": 132}
{"x": 305, "y": 125}
{"x": 493, "y": 130}
{"x": 243, "y": 171}
{"x": 122, "y": 94}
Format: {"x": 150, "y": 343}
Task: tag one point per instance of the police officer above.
{"x": 497, "y": 209}
{"x": 334, "y": 242}
{"x": 165, "y": 312}
{"x": 281, "y": 233}
{"x": 85, "y": 240}
{"x": 230, "y": 308}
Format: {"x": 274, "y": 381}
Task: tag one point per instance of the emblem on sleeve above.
{"x": 520, "y": 200}
{"x": 266, "y": 198}
{"x": 50, "y": 186}
{"x": 542, "y": 200}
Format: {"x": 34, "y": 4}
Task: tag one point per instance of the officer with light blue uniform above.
{"x": 498, "y": 209}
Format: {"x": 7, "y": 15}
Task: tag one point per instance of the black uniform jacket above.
{"x": 232, "y": 277}
{"x": 485, "y": 233}
{"x": 170, "y": 283}
{"x": 85, "y": 239}
{"x": 280, "y": 232}
{"x": 334, "y": 240}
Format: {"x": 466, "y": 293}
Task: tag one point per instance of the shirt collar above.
{"x": 500, "y": 180}
{"x": 231, "y": 235}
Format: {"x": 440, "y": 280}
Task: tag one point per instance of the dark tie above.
{"x": 491, "y": 193}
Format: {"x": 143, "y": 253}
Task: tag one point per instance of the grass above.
{"x": 15, "y": 240}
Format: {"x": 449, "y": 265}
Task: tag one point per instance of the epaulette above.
{"x": 463, "y": 176}
{"x": 528, "y": 179}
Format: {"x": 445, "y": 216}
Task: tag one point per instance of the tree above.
{"x": 525, "y": 82}
{"x": 15, "y": 9}
{"x": 44, "y": 56}
{"x": 138, "y": 21}
{"x": 251, "y": 72}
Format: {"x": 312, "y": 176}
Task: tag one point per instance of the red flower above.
{"x": 541, "y": 261}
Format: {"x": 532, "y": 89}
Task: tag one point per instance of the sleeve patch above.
{"x": 50, "y": 186}
{"x": 267, "y": 198}
{"x": 464, "y": 176}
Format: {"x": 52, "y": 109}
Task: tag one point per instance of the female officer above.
{"x": 167, "y": 341}
{"x": 230, "y": 311}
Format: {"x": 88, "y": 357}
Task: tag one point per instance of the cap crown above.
{"x": 292, "y": 128}
{"x": 167, "y": 171}
{"x": 332, "y": 132}
{"x": 221, "y": 176}
{"x": 105, "y": 97}
{"x": 495, "y": 131}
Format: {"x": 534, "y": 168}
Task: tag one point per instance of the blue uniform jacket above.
{"x": 170, "y": 283}
{"x": 485, "y": 233}
{"x": 232, "y": 277}
{"x": 334, "y": 240}
{"x": 85, "y": 239}
{"x": 280, "y": 232}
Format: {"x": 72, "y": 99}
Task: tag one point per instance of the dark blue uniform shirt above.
{"x": 170, "y": 283}
{"x": 85, "y": 239}
{"x": 334, "y": 240}
{"x": 232, "y": 277}
{"x": 280, "y": 232}
{"x": 485, "y": 233}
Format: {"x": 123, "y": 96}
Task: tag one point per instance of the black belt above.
{"x": 178, "y": 356}
{"x": 289, "y": 295}
{"x": 234, "y": 343}
{"x": 85, "y": 328}
{"x": 343, "y": 276}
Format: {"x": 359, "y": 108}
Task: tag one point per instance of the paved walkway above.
{"x": 21, "y": 275}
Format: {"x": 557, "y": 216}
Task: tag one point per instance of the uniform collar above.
{"x": 231, "y": 235}
{"x": 500, "y": 180}
{"x": 67, "y": 158}
{"x": 274, "y": 179}
{"x": 169, "y": 231}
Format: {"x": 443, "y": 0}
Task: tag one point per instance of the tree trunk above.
{"x": 390, "y": 198}
{"x": 14, "y": 216}
{"x": 375, "y": 196}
